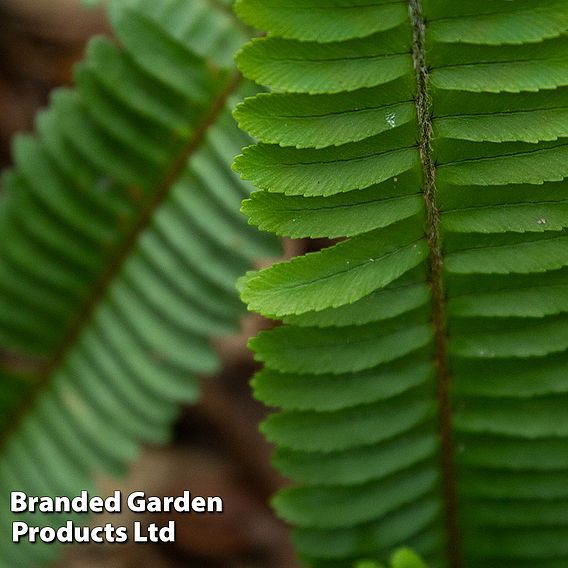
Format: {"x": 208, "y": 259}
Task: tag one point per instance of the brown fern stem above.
{"x": 100, "y": 288}
{"x": 423, "y": 105}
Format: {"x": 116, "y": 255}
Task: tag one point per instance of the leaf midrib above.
{"x": 445, "y": 430}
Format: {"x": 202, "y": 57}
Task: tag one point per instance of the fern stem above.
{"x": 423, "y": 105}
{"x": 100, "y": 288}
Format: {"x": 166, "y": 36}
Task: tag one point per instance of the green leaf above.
{"x": 514, "y": 26}
{"x": 315, "y": 350}
{"x": 338, "y": 275}
{"x": 320, "y": 172}
{"x": 294, "y": 216}
{"x": 329, "y": 120}
{"x": 322, "y": 22}
{"x": 301, "y": 67}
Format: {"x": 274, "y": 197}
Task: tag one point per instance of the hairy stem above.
{"x": 437, "y": 284}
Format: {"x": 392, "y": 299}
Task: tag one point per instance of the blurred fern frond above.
{"x": 120, "y": 243}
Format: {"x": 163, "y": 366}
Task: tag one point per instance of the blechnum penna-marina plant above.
{"x": 422, "y": 368}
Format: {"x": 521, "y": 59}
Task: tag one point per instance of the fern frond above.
{"x": 121, "y": 242}
{"x": 433, "y": 142}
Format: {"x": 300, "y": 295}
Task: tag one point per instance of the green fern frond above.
{"x": 120, "y": 244}
{"x": 421, "y": 367}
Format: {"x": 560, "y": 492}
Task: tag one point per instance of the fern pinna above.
{"x": 121, "y": 241}
{"x": 422, "y": 367}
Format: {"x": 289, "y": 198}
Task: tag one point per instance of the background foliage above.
{"x": 121, "y": 243}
